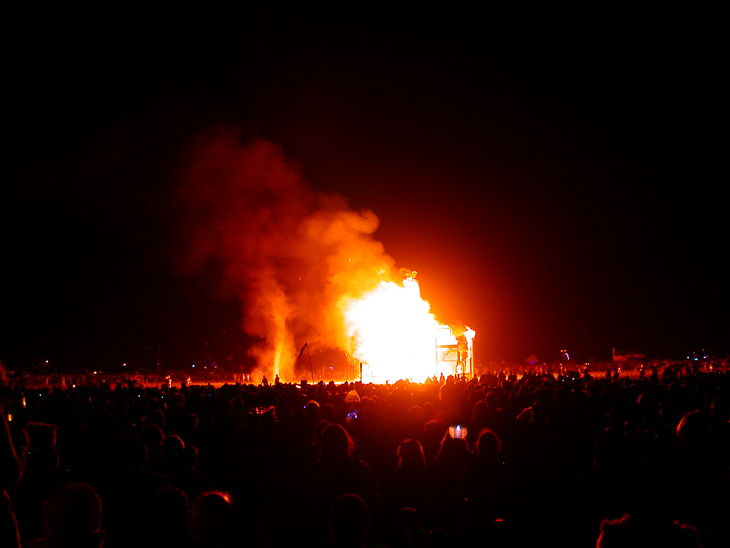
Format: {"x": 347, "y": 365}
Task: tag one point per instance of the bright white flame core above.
{"x": 394, "y": 332}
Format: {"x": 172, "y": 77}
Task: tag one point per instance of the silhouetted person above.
{"x": 413, "y": 484}
{"x": 213, "y": 523}
{"x": 127, "y": 487}
{"x": 647, "y": 520}
{"x": 488, "y": 484}
{"x": 628, "y": 532}
{"x": 72, "y": 519}
{"x": 310, "y": 422}
{"x": 433, "y": 433}
{"x": 173, "y": 453}
{"x": 40, "y": 480}
{"x": 152, "y": 434}
{"x": 348, "y": 522}
{"x": 452, "y": 463}
{"x": 337, "y": 472}
{"x": 188, "y": 477}
{"x": 11, "y": 469}
{"x": 701, "y": 477}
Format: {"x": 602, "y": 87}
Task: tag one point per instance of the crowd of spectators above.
{"x": 564, "y": 459}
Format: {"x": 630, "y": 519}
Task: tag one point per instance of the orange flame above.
{"x": 393, "y": 332}
{"x": 305, "y": 266}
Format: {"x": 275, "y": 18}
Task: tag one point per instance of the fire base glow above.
{"x": 395, "y": 336}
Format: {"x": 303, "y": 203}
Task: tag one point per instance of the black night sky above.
{"x": 555, "y": 180}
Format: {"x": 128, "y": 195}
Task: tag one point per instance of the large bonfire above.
{"x": 306, "y": 267}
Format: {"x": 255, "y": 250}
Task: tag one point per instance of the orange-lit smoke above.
{"x": 294, "y": 256}
{"x": 305, "y": 266}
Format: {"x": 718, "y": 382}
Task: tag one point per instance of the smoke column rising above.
{"x": 292, "y": 255}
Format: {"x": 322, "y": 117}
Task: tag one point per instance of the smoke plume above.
{"x": 292, "y": 255}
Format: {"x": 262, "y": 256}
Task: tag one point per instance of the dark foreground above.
{"x": 544, "y": 461}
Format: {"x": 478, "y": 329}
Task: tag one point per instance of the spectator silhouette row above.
{"x": 501, "y": 460}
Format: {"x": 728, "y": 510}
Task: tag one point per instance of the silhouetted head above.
{"x": 489, "y": 445}
{"x": 177, "y": 400}
{"x": 328, "y": 412}
{"x": 190, "y": 421}
{"x": 410, "y": 455}
{"x": 190, "y": 457}
{"x": 452, "y": 451}
{"x": 72, "y": 513}
{"x": 312, "y": 408}
{"x": 173, "y": 449}
{"x": 416, "y": 413}
{"x": 213, "y": 518}
{"x": 349, "y": 520}
{"x": 429, "y": 411}
{"x": 336, "y": 443}
{"x": 693, "y": 430}
{"x": 152, "y": 435}
{"x": 157, "y": 417}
